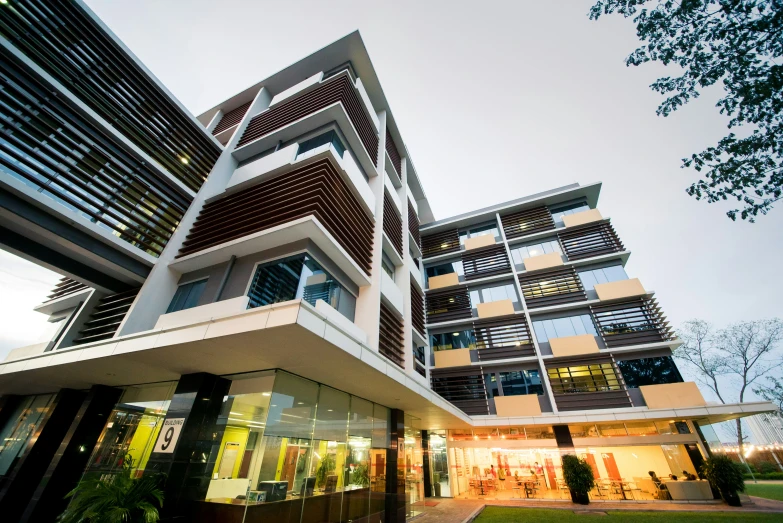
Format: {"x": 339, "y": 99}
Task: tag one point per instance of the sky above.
{"x": 493, "y": 104}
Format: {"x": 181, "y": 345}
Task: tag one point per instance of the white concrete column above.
{"x": 161, "y": 284}
{"x": 402, "y": 275}
{"x": 542, "y": 367}
{"x": 368, "y": 304}
{"x": 214, "y": 121}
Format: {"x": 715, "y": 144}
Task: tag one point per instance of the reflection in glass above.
{"x": 562, "y": 327}
{"x": 649, "y": 371}
{"x": 604, "y": 275}
{"x": 19, "y": 428}
{"x": 453, "y": 340}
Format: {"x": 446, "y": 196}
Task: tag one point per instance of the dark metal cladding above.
{"x": 552, "y": 287}
{"x": 485, "y": 261}
{"x": 69, "y": 45}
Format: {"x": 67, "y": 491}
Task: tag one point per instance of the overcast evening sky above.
{"x": 495, "y": 100}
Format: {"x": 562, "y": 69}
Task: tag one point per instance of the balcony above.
{"x": 336, "y": 99}
{"x": 391, "y": 293}
{"x": 503, "y": 338}
{"x": 417, "y": 313}
{"x": 573, "y": 345}
{"x": 589, "y": 240}
{"x": 552, "y": 287}
{"x": 585, "y": 382}
{"x": 392, "y": 222}
{"x": 482, "y": 258}
{"x": 453, "y": 358}
{"x": 620, "y": 289}
{"x": 448, "y": 305}
{"x": 529, "y": 221}
{"x": 582, "y": 218}
{"x": 462, "y": 388}
{"x": 66, "y": 294}
{"x": 440, "y": 243}
{"x": 312, "y": 201}
{"x": 494, "y": 309}
{"x": 629, "y": 322}
{"x": 543, "y": 261}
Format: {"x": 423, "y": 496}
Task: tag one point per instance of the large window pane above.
{"x": 187, "y": 296}
{"x": 516, "y": 383}
{"x": 562, "y": 327}
{"x": 649, "y": 371}
{"x": 22, "y": 424}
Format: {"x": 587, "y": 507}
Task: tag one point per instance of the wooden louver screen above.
{"x": 589, "y": 240}
{"x": 631, "y": 322}
{"x": 313, "y": 190}
{"x": 231, "y": 118}
{"x": 336, "y": 89}
{"x": 440, "y": 243}
{"x": 394, "y": 154}
{"x": 587, "y": 382}
{"x": 413, "y": 224}
{"x": 73, "y": 48}
{"x": 392, "y": 223}
{"x": 498, "y": 339}
{"x": 391, "y": 337}
{"x": 526, "y": 222}
{"x": 65, "y": 287}
{"x": 106, "y": 317}
{"x": 49, "y": 144}
{"x": 417, "y": 309}
{"x": 552, "y": 287}
{"x": 448, "y": 304}
{"x": 486, "y": 261}
{"x": 463, "y": 387}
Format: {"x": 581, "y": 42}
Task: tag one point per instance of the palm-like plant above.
{"x": 121, "y": 499}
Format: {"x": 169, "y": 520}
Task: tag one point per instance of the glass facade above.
{"x": 299, "y": 277}
{"x": 330, "y": 138}
{"x": 597, "y": 377}
{"x": 453, "y": 340}
{"x": 187, "y": 296}
{"x": 494, "y": 293}
{"x": 604, "y": 275}
{"x": 518, "y": 254}
{"x": 490, "y": 228}
{"x": 445, "y": 268}
{"x": 20, "y": 428}
{"x": 559, "y": 212}
{"x": 649, "y": 371}
{"x": 562, "y": 327}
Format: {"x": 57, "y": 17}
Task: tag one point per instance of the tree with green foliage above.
{"x": 773, "y": 391}
{"x": 119, "y": 499}
{"x": 738, "y": 43}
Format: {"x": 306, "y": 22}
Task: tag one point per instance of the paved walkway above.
{"x": 462, "y": 510}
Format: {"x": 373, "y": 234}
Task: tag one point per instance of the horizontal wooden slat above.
{"x": 417, "y": 310}
{"x": 413, "y": 224}
{"x": 552, "y": 287}
{"x": 462, "y": 387}
{"x": 613, "y": 399}
{"x": 392, "y": 223}
{"x": 529, "y": 221}
{"x": 440, "y": 243}
{"x": 486, "y": 261}
{"x": 313, "y": 190}
{"x": 503, "y": 338}
{"x": 589, "y": 240}
{"x": 391, "y": 337}
{"x": 394, "y": 154}
{"x": 69, "y": 45}
{"x": 231, "y": 118}
{"x": 65, "y": 287}
{"x": 631, "y": 322}
{"x": 106, "y": 317}
{"x": 336, "y": 89}
{"x": 447, "y": 305}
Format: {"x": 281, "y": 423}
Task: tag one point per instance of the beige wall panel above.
{"x": 672, "y": 395}
{"x": 444, "y": 280}
{"x": 479, "y": 241}
{"x": 580, "y": 218}
{"x": 573, "y": 345}
{"x": 620, "y": 289}
{"x": 515, "y": 406}
{"x": 495, "y": 308}
{"x": 543, "y": 261}
{"x": 452, "y": 358}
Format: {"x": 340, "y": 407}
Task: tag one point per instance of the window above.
{"x": 445, "y": 268}
{"x": 597, "y": 377}
{"x": 453, "y": 340}
{"x": 20, "y": 428}
{"x": 593, "y": 276}
{"x": 387, "y": 265}
{"x": 322, "y": 139}
{"x": 558, "y": 213}
{"x": 534, "y": 249}
{"x": 299, "y": 277}
{"x": 562, "y": 327}
{"x": 187, "y": 296}
{"x": 649, "y": 371}
{"x": 520, "y": 382}
{"x": 480, "y": 230}
{"x": 496, "y": 293}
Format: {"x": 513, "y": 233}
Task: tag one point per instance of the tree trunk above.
{"x": 739, "y": 434}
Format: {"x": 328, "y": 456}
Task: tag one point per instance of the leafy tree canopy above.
{"x": 738, "y": 43}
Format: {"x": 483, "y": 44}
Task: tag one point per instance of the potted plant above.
{"x": 436, "y": 484}
{"x": 726, "y": 476}
{"x": 578, "y": 476}
{"x": 120, "y": 498}
{"x": 325, "y": 467}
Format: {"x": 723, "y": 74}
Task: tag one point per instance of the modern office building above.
{"x": 259, "y": 302}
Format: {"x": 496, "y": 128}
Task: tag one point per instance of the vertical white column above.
{"x": 368, "y": 305}
{"x": 542, "y": 367}
{"x": 161, "y": 284}
{"x": 214, "y": 121}
{"x": 403, "y": 274}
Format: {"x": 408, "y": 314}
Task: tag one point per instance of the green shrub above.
{"x": 578, "y": 474}
{"x": 724, "y": 474}
{"x": 768, "y": 475}
{"x": 765, "y": 467}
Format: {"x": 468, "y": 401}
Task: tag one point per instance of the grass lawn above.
{"x": 536, "y": 515}
{"x": 765, "y": 490}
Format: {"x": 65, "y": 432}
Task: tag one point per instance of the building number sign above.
{"x": 169, "y": 434}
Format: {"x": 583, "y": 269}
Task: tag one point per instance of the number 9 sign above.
{"x": 168, "y": 436}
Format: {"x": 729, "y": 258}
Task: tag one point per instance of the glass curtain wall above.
{"x": 293, "y": 450}
{"x": 19, "y": 429}
{"x": 131, "y": 431}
